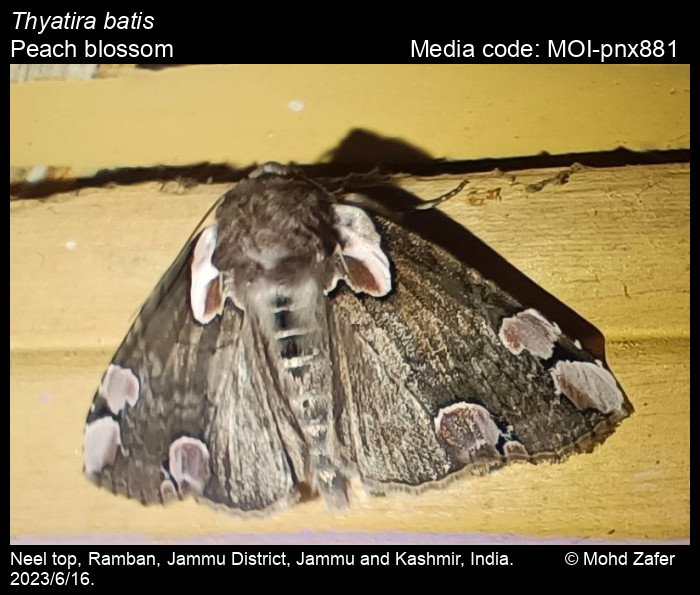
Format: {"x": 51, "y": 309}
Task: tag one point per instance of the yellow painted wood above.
{"x": 612, "y": 243}
{"x": 241, "y": 113}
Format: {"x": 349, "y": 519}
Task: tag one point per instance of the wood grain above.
{"x": 613, "y": 244}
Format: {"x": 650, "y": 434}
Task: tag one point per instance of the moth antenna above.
{"x": 429, "y": 204}
{"x": 300, "y": 176}
{"x": 362, "y": 200}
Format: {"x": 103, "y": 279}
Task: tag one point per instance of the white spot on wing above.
{"x": 475, "y": 417}
{"x": 119, "y": 386}
{"x": 531, "y": 331}
{"x": 203, "y": 273}
{"x": 587, "y": 385}
{"x": 296, "y": 105}
{"x": 189, "y": 463}
{"x": 71, "y": 245}
{"x": 360, "y": 240}
{"x": 100, "y": 444}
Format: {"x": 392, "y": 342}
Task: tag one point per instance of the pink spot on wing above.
{"x": 587, "y": 385}
{"x": 205, "y": 287}
{"x": 119, "y": 386}
{"x": 468, "y": 431}
{"x": 367, "y": 268}
{"x": 189, "y": 464}
{"x": 45, "y": 398}
{"x": 531, "y": 331}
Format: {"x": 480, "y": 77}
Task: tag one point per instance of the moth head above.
{"x": 276, "y": 235}
{"x": 277, "y": 228}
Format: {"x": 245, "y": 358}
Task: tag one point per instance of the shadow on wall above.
{"x": 364, "y": 148}
{"x": 359, "y": 152}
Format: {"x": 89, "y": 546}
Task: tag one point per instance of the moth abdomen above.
{"x": 293, "y": 338}
{"x": 282, "y": 319}
{"x": 293, "y": 318}
{"x": 289, "y": 346}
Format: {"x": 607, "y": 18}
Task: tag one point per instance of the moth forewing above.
{"x": 299, "y": 341}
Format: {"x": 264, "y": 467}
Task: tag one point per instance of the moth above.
{"x": 303, "y": 340}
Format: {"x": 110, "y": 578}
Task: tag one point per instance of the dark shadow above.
{"x": 205, "y": 173}
{"x": 360, "y": 152}
{"x": 362, "y": 147}
{"x": 188, "y": 175}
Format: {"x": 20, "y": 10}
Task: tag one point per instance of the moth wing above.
{"x": 183, "y": 408}
{"x": 448, "y": 373}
